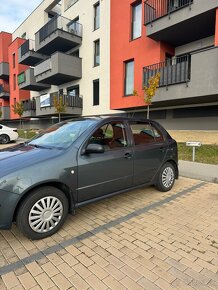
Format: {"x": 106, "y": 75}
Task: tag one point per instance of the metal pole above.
{"x": 193, "y": 155}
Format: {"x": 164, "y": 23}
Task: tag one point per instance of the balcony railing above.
{"x": 69, "y": 101}
{"x": 59, "y": 22}
{"x": 27, "y": 46}
{"x": 29, "y": 105}
{"x": 155, "y": 9}
{"x": 43, "y": 67}
{"x": 172, "y": 71}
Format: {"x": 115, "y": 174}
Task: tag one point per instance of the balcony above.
{"x": 5, "y": 113}
{"x": 60, "y": 68}
{"x": 27, "y": 81}
{"x": 4, "y": 71}
{"x": 4, "y": 92}
{"x": 27, "y": 54}
{"x": 186, "y": 80}
{"x": 178, "y": 22}
{"x": 29, "y": 108}
{"x": 59, "y": 34}
{"x": 73, "y": 105}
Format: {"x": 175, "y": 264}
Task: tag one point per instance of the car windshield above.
{"x": 61, "y": 135}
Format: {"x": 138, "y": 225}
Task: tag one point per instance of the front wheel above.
{"x": 166, "y": 177}
{"x": 42, "y": 213}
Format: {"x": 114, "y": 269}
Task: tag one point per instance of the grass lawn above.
{"x": 30, "y": 133}
{"x": 204, "y": 154}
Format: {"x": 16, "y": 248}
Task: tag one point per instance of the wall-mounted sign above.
{"x": 45, "y": 101}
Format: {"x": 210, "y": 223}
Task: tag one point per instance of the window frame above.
{"x": 97, "y": 41}
{"x": 96, "y": 6}
{"x": 125, "y": 76}
{"x": 133, "y": 6}
{"x": 93, "y": 83}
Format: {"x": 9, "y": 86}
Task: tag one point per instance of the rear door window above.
{"x": 144, "y": 133}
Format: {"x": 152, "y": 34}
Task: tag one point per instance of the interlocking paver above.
{"x": 172, "y": 246}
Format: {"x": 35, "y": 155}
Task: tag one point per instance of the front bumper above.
{"x": 8, "y": 202}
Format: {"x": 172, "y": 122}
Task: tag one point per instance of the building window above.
{"x": 23, "y": 35}
{"x": 14, "y": 81}
{"x": 136, "y": 20}
{"x": 73, "y": 91}
{"x": 96, "y": 16}
{"x": 97, "y": 52}
{"x": 96, "y": 92}
{"x": 70, "y": 3}
{"x": 14, "y": 62}
{"x": 129, "y": 78}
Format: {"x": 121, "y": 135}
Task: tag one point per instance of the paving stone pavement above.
{"x": 142, "y": 239}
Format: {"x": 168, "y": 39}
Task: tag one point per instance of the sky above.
{"x": 14, "y": 12}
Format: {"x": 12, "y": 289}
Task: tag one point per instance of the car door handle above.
{"x": 128, "y": 155}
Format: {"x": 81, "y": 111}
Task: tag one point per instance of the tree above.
{"x": 18, "y": 109}
{"x": 59, "y": 105}
{"x": 150, "y": 91}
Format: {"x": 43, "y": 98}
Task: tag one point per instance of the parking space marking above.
{"x": 42, "y": 254}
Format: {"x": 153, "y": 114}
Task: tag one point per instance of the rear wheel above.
{"x": 166, "y": 177}
{"x": 4, "y": 139}
{"x": 42, "y": 213}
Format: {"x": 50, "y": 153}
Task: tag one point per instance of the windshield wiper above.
{"x": 40, "y": 146}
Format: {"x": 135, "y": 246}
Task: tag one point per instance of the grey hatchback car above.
{"x": 80, "y": 161}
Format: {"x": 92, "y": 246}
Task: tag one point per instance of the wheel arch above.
{"x": 59, "y": 185}
{"x": 175, "y": 166}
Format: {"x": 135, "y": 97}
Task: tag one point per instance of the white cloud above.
{"x": 14, "y": 12}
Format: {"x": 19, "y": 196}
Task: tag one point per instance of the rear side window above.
{"x": 145, "y": 133}
{"x": 0, "y": 127}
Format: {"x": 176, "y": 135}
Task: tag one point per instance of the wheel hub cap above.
{"x": 168, "y": 177}
{"x": 45, "y": 214}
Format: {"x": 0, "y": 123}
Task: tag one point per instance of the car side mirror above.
{"x": 94, "y": 148}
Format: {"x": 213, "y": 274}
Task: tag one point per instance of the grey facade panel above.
{"x": 4, "y": 70}
{"x": 5, "y": 113}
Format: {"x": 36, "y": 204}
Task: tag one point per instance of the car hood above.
{"x": 22, "y": 156}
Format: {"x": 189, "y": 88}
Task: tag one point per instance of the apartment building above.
{"x": 179, "y": 39}
{"x": 96, "y": 53}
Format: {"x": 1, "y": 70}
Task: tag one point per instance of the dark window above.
{"x": 51, "y": 15}
{"x": 15, "y": 81}
{"x": 73, "y": 91}
{"x": 129, "y": 78}
{"x": 97, "y": 52}
{"x": 111, "y": 136}
{"x": 75, "y": 53}
{"x": 96, "y": 16}
{"x": 144, "y": 133}
{"x": 136, "y": 20}
{"x": 14, "y": 62}
{"x": 95, "y": 92}
{"x": 15, "y": 102}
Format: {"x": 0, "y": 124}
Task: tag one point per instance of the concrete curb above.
{"x": 200, "y": 171}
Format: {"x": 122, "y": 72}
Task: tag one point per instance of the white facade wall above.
{"x": 84, "y": 9}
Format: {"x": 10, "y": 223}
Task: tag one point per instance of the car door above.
{"x": 103, "y": 173}
{"x": 149, "y": 151}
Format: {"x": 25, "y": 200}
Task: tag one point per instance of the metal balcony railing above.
{"x": 172, "y": 71}
{"x": 69, "y": 101}
{"x": 155, "y": 9}
{"x": 29, "y": 105}
{"x": 27, "y": 46}
{"x": 59, "y": 22}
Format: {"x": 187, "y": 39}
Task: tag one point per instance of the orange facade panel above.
{"x": 143, "y": 50}
{"x": 16, "y": 95}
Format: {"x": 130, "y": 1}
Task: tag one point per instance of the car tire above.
{"x": 166, "y": 177}
{"x": 42, "y": 213}
{"x": 4, "y": 139}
